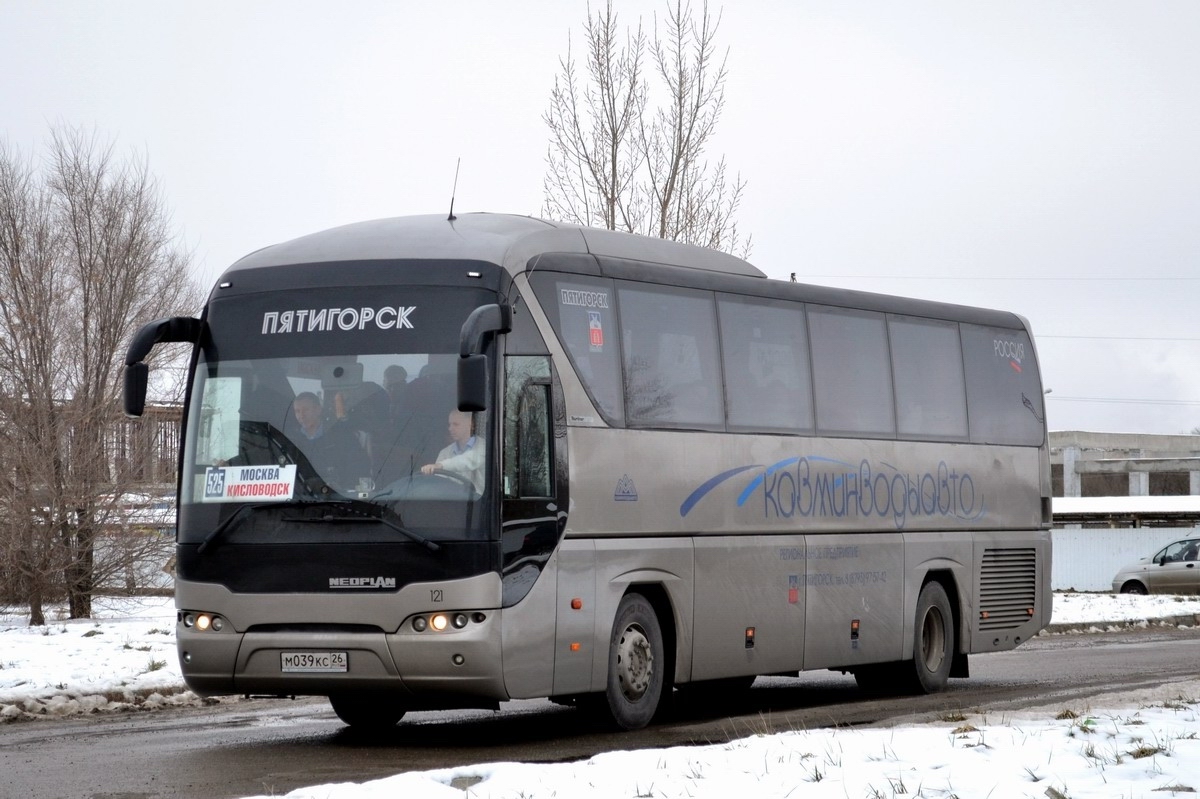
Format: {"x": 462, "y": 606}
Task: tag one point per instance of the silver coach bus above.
{"x": 672, "y": 472}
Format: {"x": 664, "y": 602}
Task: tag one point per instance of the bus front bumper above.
{"x": 451, "y": 667}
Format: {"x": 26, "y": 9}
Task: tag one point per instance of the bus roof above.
{"x": 504, "y": 239}
{"x": 512, "y": 241}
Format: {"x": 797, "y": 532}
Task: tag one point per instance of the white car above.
{"x": 1174, "y": 569}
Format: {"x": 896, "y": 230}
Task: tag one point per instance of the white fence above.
{"x": 1088, "y": 559}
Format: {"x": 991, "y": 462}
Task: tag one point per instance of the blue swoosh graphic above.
{"x": 757, "y": 481}
{"x": 709, "y": 485}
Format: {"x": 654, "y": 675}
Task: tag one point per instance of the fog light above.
{"x": 187, "y": 657}
{"x": 478, "y": 617}
{"x": 419, "y": 624}
{"x": 458, "y": 660}
{"x": 439, "y": 622}
{"x": 460, "y": 620}
{"x": 189, "y": 620}
{"x": 202, "y": 622}
{"x": 218, "y": 623}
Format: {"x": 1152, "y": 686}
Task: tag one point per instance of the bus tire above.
{"x": 369, "y": 712}
{"x": 933, "y": 640}
{"x": 636, "y": 661}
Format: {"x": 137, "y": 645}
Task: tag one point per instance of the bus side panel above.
{"x": 742, "y": 584}
{"x": 658, "y": 563}
{"x": 528, "y": 638}
{"x": 574, "y": 642}
{"x": 851, "y": 579}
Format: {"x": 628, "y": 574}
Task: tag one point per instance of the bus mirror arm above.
{"x": 137, "y": 374}
{"x": 484, "y": 321}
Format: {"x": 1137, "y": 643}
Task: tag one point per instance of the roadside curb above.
{"x": 1183, "y": 620}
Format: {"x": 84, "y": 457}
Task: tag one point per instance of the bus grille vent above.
{"x": 1007, "y": 587}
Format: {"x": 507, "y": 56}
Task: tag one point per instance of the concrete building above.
{"x": 1124, "y": 464}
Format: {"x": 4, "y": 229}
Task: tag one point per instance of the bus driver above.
{"x": 465, "y": 454}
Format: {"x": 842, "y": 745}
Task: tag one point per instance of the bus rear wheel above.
{"x": 933, "y": 651}
{"x": 367, "y": 711}
{"x": 933, "y": 641}
{"x": 636, "y": 661}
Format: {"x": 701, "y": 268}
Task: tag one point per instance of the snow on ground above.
{"x": 1136, "y": 746}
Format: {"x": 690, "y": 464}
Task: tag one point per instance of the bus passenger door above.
{"x": 532, "y": 518}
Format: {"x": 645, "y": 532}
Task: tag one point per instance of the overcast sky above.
{"x": 1040, "y": 157}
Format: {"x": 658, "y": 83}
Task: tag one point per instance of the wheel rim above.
{"x": 933, "y": 640}
{"x": 635, "y": 662}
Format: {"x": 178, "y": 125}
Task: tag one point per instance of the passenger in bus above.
{"x": 395, "y": 382}
{"x": 465, "y": 454}
{"x": 330, "y": 445}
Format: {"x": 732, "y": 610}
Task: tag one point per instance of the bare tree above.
{"x": 31, "y": 356}
{"x": 87, "y": 256}
{"x": 613, "y": 164}
{"x": 595, "y": 151}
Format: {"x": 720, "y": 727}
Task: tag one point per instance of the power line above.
{"x": 1040, "y": 336}
{"x": 1121, "y": 400}
{"x": 995, "y": 277}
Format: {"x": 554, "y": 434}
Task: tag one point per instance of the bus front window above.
{"x": 378, "y": 427}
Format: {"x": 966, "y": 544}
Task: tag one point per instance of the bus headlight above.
{"x": 446, "y": 621}
{"x": 202, "y": 622}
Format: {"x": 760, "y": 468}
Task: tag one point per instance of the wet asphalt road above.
{"x": 274, "y": 746}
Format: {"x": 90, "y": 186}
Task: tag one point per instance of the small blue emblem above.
{"x": 626, "y": 490}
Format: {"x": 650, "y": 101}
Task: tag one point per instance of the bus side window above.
{"x": 527, "y": 471}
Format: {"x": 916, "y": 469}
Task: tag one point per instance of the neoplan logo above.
{"x": 362, "y": 582}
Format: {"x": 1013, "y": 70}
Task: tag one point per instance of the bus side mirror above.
{"x": 472, "y": 383}
{"x": 483, "y": 323}
{"x": 137, "y": 373}
{"x": 137, "y": 376}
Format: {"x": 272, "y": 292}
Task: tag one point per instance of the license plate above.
{"x": 313, "y": 661}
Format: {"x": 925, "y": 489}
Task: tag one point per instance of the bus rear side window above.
{"x": 852, "y": 372}
{"x": 1003, "y": 388}
{"x": 931, "y": 399}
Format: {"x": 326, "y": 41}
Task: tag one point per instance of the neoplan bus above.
{"x": 687, "y": 474}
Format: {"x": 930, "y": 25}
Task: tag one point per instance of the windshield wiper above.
{"x": 357, "y": 511}
{"x": 229, "y": 520}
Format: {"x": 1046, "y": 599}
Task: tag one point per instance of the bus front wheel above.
{"x": 369, "y": 712}
{"x": 636, "y": 661}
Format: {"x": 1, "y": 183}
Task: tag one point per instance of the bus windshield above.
{"x": 360, "y": 422}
